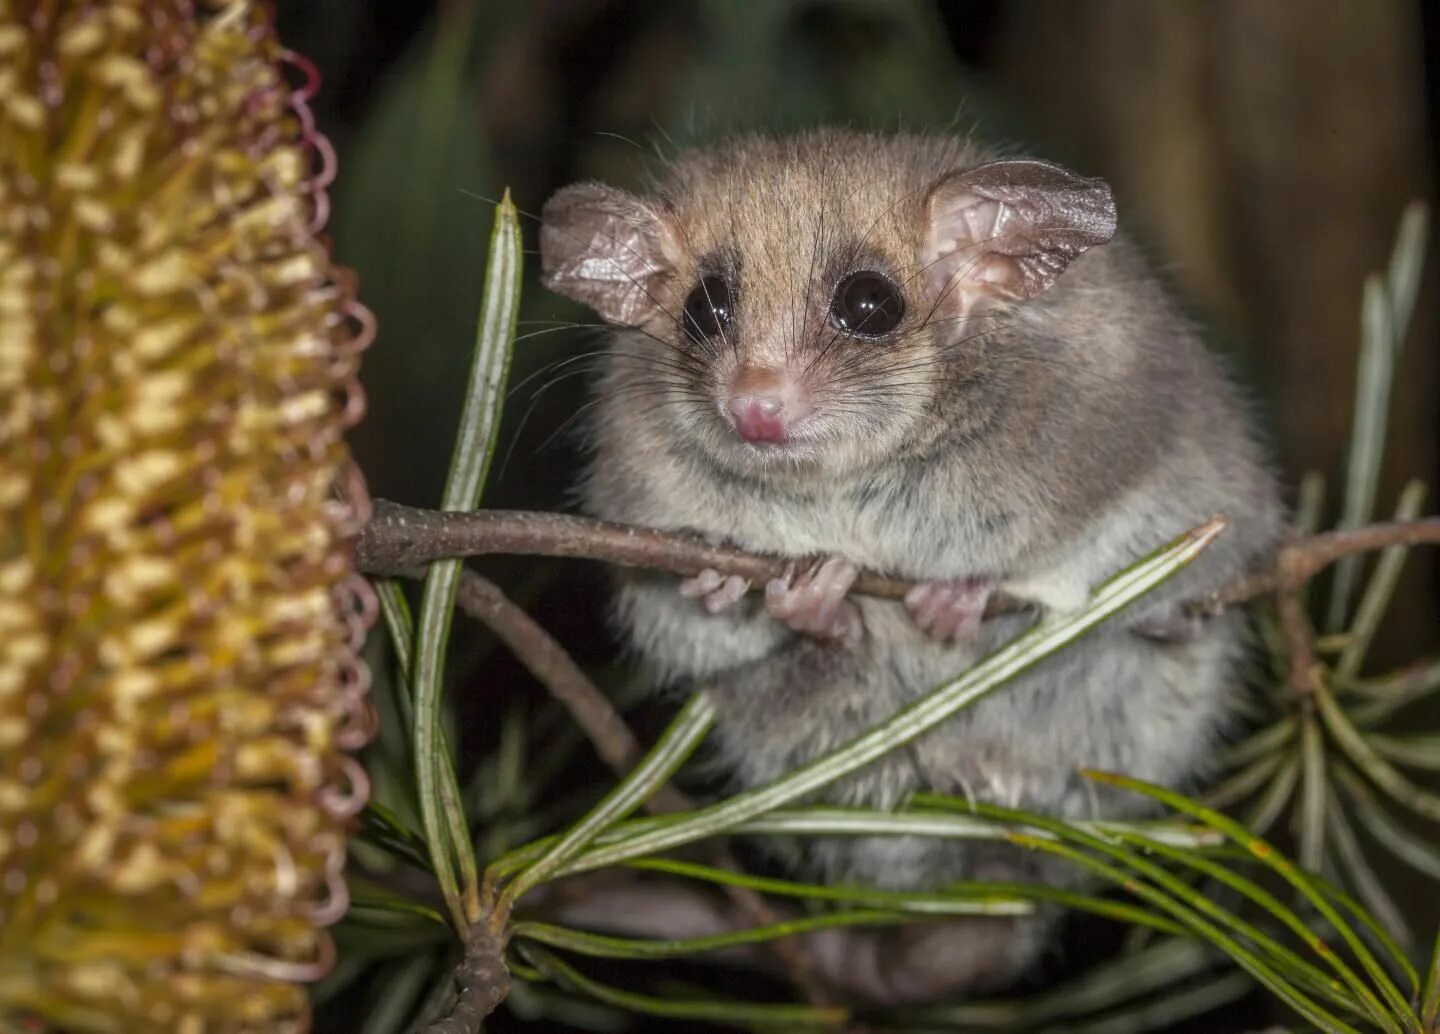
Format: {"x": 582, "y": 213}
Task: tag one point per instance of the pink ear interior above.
{"x": 604, "y": 248}
{"x": 1007, "y": 230}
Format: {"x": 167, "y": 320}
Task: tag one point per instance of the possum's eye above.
{"x": 708, "y": 310}
{"x": 867, "y": 304}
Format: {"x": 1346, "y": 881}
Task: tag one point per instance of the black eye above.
{"x": 708, "y": 309}
{"x": 867, "y": 304}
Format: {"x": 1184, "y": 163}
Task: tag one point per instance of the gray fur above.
{"x": 1046, "y": 442}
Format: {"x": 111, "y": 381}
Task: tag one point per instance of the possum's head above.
{"x": 806, "y": 305}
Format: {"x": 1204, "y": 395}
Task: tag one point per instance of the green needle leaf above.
{"x": 957, "y": 899}
{"x": 1312, "y": 814}
{"x": 1170, "y": 1008}
{"x": 1384, "y": 775}
{"x": 1280, "y": 985}
{"x": 1366, "y": 881}
{"x": 952, "y": 899}
{"x": 442, "y": 816}
{"x": 1405, "y": 845}
{"x": 838, "y": 821}
{"x": 365, "y": 894}
{"x": 786, "y": 1017}
{"x": 1199, "y": 908}
{"x": 1266, "y": 741}
{"x": 1254, "y": 892}
{"x": 1112, "y": 984}
{"x": 678, "y": 742}
{"x": 1386, "y": 309}
{"x": 1279, "y": 864}
{"x": 1380, "y": 588}
{"x": 1422, "y": 751}
{"x": 944, "y": 817}
{"x": 1389, "y": 693}
{"x": 494, "y": 340}
{"x": 602, "y": 946}
{"x": 1272, "y": 802}
{"x": 398, "y": 621}
{"x": 1245, "y": 782}
{"x": 381, "y": 826}
{"x": 1430, "y": 1001}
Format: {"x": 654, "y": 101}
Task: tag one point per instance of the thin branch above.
{"x": 554, "y": 669}
{"x": 400, "y": 538}
{"x": 1299, "y": 642}
{"x": 483, "y": 979}
{"x": 1304, "y": 558}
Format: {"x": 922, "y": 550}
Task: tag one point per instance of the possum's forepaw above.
{"x": 950, "y": 609}
{"x": 716, "y": 592}
{"x": 813, "y": 601}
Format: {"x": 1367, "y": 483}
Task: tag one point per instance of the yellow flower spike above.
{"x": 179, "y": 614}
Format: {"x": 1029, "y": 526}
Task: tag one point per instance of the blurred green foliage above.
{"x": 408, "y": 221}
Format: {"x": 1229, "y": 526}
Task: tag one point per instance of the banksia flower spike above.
{"x": 179, "y": 614}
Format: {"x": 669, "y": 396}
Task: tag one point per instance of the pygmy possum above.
{"x": 913, "y": 354}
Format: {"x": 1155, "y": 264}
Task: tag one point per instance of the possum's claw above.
{"x": 813, "y": 602}
{"x": 950, "y": 609}
{"x": 715, "y": 591}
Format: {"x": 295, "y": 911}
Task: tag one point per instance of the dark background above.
{"x": 1263, "y": 151}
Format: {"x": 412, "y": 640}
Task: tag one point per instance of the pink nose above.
{"x": 757, "y": 418}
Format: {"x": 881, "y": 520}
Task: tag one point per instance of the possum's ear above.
{"x": 606, "y": 249}
{"x": 1008, "y": 229}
